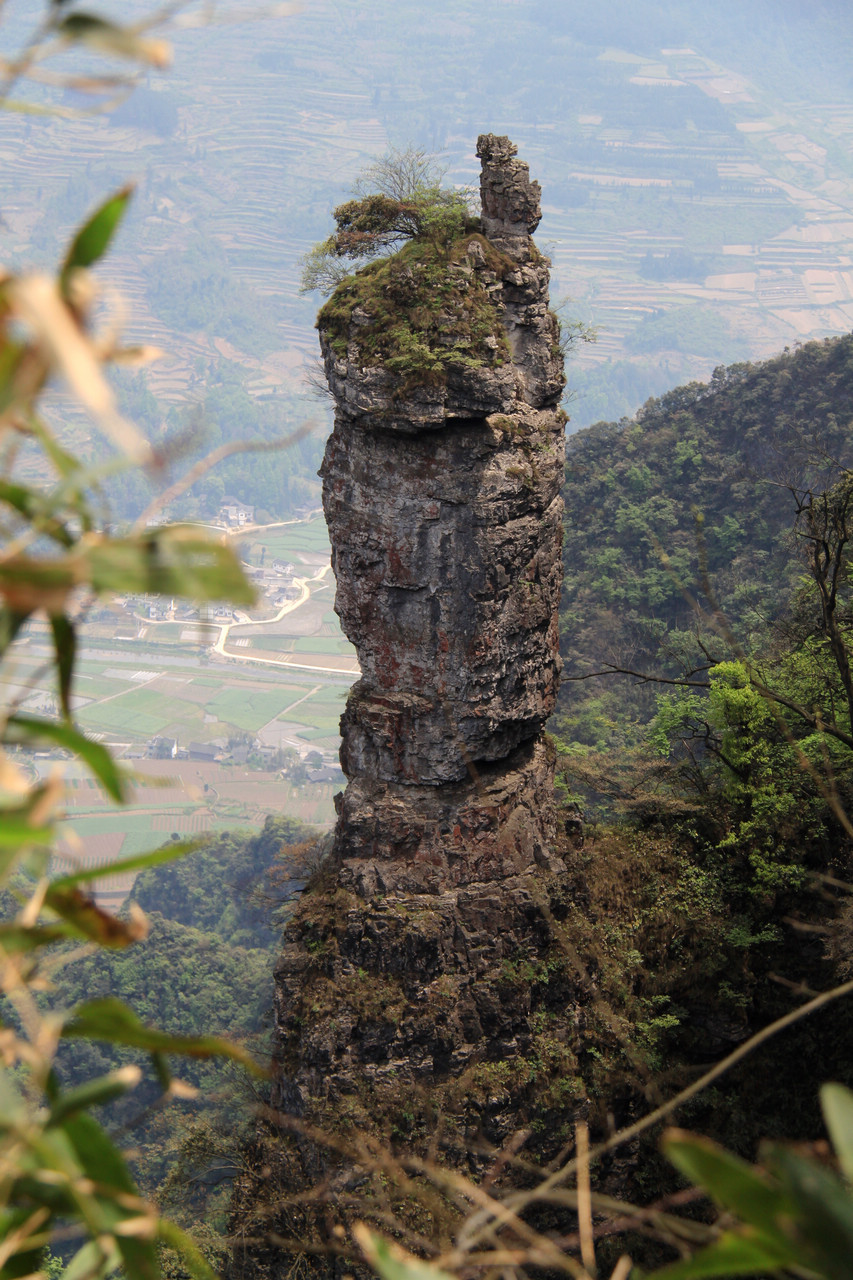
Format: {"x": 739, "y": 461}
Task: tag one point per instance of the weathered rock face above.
{"x": 446, "y": 530}
{"x": 405, "y": 980}
{"x": 447, "y": 554}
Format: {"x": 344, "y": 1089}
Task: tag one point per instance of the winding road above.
{"x": 290, "y": 607}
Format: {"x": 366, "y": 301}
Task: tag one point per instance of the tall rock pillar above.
{"x": 444, "y": 510}
{"x": 420, "y": 975}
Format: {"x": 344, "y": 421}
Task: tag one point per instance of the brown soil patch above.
{"x": 199, "y": 821}
{"x": 98, "y": 849}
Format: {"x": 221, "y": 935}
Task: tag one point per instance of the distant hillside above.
{"x": 717, "y": 792}
{"x": 691, "y": 501}
{"x": 204, "y": 969}
{"x": 695, "y": 161}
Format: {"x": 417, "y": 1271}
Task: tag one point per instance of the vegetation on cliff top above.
{"x": 398, "y": 198}
{"x": 427, "y": 305}
{"x": 422, "y": 312}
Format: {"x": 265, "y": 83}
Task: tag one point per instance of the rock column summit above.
{"x": 421, "y": 973}
{"x": 444, "y": 511}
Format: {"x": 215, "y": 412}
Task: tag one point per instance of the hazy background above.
{"x": 696, "y": 163}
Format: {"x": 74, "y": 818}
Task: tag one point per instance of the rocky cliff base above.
{"x": 417, "y": 1024}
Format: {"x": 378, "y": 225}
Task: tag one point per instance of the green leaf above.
{"x": 89, "y": 1261}
{"x": 29, "y": 583}
{"x": 11, "y": 357}
{"x": 32, "y": 506}
{"x": 194, "y": 1260}
{"x": 18, "y": 832}
{"x": 93, "y": 238}
{"x": 161, "y": 1070}
{"x": 17, "y": 938}
{"x": 170, "y": 561}
{"x": 96, "y": 756}
{"x": 138, "y": 862}
{"x": 66, "y": 464}
{"x": 25, "y": 1259}
{"x": 390, "y": 1261}
{"x": 103, "y": 1163}
{"x": 93, "y": 1093}
{"x": 734, "y": 1254}
{"x": 13, "y": 1109}
{"x": 837, "y": 1106}
{"x": 65, "y": 648}
{"x": 733, "y": 1183}
{"x": 11, "y": 621}
{"x": 98, "y": 1157}
{"x": 824, "y": 1213}
{"x": 111, "y": 1020}
{"x": 84, "y": 915}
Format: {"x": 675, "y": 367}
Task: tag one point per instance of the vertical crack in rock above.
{"x": 401, "y": 990}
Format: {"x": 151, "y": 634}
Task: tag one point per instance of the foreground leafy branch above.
{"x": 64, "y": 1184}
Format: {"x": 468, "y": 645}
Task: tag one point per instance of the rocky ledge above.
{"x": 422, "y": 974}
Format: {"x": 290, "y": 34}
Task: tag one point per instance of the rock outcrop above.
{"x": 421, "y": 975}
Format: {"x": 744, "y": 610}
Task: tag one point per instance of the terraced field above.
{"x": 642, "y": 151}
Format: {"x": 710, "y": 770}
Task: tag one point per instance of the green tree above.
{"x": 398, "y": 198}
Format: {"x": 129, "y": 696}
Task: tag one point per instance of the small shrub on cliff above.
{"x": 398, "y": 198}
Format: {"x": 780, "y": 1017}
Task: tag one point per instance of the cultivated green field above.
{"x": 301, "y": 644}
{"x": 251, "y": 709}
{"x": 137, "y": 828}
{"x": 130, "y": 692}
{"x": 287, "y": 543}
{"x": 321, "y": 644}
{"x": 137, "y": 712}
{"x": 320, "y": 712}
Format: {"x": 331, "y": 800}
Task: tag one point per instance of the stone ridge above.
{"x": 422, "y": 973}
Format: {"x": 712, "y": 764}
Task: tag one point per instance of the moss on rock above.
{"x": 425, "y": 310}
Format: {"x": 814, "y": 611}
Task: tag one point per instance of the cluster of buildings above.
{"x": 218, "y": 751}
{"x": 234, "y": 513}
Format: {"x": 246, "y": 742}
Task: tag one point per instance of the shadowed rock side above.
{"x": 420, "y": 972}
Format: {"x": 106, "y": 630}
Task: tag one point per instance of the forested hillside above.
{"x": 205, "y": 969}
{"x": 686, "y": 510}
{"x": 707, "y": 561}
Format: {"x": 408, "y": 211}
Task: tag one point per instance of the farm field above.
{"x": 130, "y": 695}
{"x": 177, "y": 798}
{"x": 296, "y": 540}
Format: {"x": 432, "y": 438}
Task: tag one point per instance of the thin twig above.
{"x": 587, "y": 1240}
{"x": 204, "y": 465}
